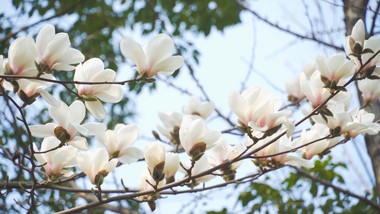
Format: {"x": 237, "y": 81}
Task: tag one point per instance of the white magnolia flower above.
{"x": 57, "y": 159}
{"x": 154, "y": 57}
{"x": 365, "y": 121}
{"x": 370, "y": 89}
{"x": 54, "y": 50}
{"x": 281, "y": 145}
{"x": 93, "y": 71}
{"x": 154, "y": 154}
{"x": 118, "y": 143}
{"x": 257, "y": 109}
{"x": 336, "y": 67}
{"x": 68, "y": 119}
{"x": 171, "y": 166}
{"x": 313, "y": 89}
{"x": 22, "y": 55}
{"x": 198, "y": 107}
{"x": 171, "y": 122}
{"x": 293, "y": 87}
{"x": 311, "y": 137}
{"x": 222, "y": 152}
{"x": 195, "y": 137}
{"x": 96, "y": 164}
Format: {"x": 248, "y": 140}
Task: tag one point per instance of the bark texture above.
{"x": 353, "y": 11}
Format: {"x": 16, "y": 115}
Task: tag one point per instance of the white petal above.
{"x": 168, "y": 65}
{"x": 96, "y": 109}
{"x": 112, "y": 95}
{"x": 42, "y": 130}
{"x": 131, "y": 50}
{"x": 131, "y": 154}
{"x": 79, "y": 142}
{"x": 77, "y": 112}
{"x": 158, "y": 49}
{"x": 94, "y": 128}
{"x": 48, "y": 98}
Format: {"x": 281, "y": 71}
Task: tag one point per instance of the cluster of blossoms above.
{"x": 268, "y": 128}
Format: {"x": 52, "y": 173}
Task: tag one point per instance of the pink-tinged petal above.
{"x": 42, "y": 130}
{"x": 168, "y": 65}
{"x": 79, "y": 74}
{"x": 60, "y": 114}
{"x": 335, "y": 61}
{"x": 46, "y": 34}
{"x": 79, "y": 142}
{"x": 306, "y": 87}
{"x": 94, "y": 128}
{"x": 211, "y": 137}
{"x": 130, "y": 154}
{"x": 77, "y": 112}
{"x": 22, "y": 55}
{"x": 96, "y": 109}
{"x": 131, "y": 50}
{"x": 113, "y": 94}
{"x": 158, "y": 48}
{"x": 347, "y": 69}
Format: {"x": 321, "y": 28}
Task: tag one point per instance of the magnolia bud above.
{"x": 158, "y": 172}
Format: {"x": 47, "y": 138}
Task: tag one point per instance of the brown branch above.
{"x": 276, "y": 26}
{"x": 336, "y": 188}
{"x": 374, "y": 17}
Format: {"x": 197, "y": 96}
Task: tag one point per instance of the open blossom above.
{"x": 55, "y": 160}
{"x": 54, "y": 50}
{"x": 336, "y": 67}
{"x": 154, "y": 154}
{"x": 257, "y": 109}
{"x": 96, "y": 164}
{"x": 154, "y": 57}
{"x": 318, "y": 131}
{"x": 281, "y": 145}
{"x": 370, "y": 89}
{"x": 313, "y": 89}
{"x": 171, "y": 166}
{"x": 171, "y": 122}
{"x": 22, "y": 55}
{"x": 198, "y": 107}
{"x": 352, "y": 122}
{"x": 195, "y": 137}
{"x": 365, "y": 121}
{"x": 93, "y": 71}
{"x": 118, "y": 143}
{"x": 68, "y": 119}
{"x": 222, "y": 152}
